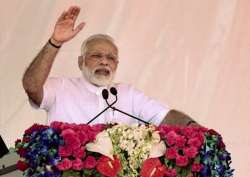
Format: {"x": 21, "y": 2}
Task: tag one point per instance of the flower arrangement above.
{"x": 64, "y": 149}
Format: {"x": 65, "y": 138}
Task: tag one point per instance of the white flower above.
{"x": 102, "y": 144}
{"x": 157, "y": 150}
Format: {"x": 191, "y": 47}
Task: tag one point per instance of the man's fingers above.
{"x": 75, "y": 13}
{"x": 78, "y": 28}
{"x": 71, "y": 13}
{"x": 62, "y": 16}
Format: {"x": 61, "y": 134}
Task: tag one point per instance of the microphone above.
{"x": 114, "y": 92}
{"x": 105, "y": 95}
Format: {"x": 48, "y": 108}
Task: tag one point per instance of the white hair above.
{"x": 105, "y": 37}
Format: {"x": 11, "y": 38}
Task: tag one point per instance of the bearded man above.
{"x": 77, "y": 100}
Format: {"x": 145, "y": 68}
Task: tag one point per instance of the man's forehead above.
{"x": 101, "y": 45}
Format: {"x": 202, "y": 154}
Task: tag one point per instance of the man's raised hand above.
{"x": 65, "y": 26}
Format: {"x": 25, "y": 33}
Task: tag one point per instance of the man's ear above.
{"x": 80, "y": 62}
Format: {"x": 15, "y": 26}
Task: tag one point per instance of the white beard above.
{"x": 97, "y": 79}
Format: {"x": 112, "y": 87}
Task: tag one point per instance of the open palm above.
{"x": 65, "y": 26}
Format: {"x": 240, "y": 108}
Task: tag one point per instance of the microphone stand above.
{"x": 115, "y": 109}
{"x": 109, "y": 106}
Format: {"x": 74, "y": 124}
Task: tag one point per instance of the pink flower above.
{"x": 83, "y": 136}
{"x": 71, "y": 139}
{"x": 171, "y": 153}
{"x": 98, "y": 127}
{"x": 92, "y": 135}
{"x": 196, "y": 167}
{"x": 196, "y": 142}
{"x": 79, "y": 153}
{"x": 84, "y": 128}
{"x": 171, "y": 136}
{"x": 90, "y": 162}
{"x": 68, "y": 126}
{"x": 189, "y": 132}
{"x": 77, "y": 164}
{"x": 191, "y": 152}
{"x": 64, "y": 165}
{"x": 56, "y": 125}
{"x": 180, "y": 141}
{"x": 65, "y": 151}
{"x": 181, "y": 161}
{"x": 170, "y": 172}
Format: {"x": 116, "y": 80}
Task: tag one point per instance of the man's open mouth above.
{"x": 102, "y": 71}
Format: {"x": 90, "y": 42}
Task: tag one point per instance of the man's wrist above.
{"x": 55, "y": 43}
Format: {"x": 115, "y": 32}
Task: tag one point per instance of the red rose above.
{"x": 90, "y": 162}
{"x": 35, "y": 127}
{"x": 196, "y": 167}
{"x": 65, "y": 151}
{"x": 221, "y": 144}
{"x": 171, "y": 137}
{"x": 196, "y": 142}
{"x": 77, "y": 164}
{"x": 191, "y": 152}
{"x": 26, "y": 139}
{"x": 171, "y": 153}
{"x": 181, "y": 161}
{"x": 189, "y": 132}
{"x": 71, "y": 139}
{"x": 180, "y": 141}
{"x": 56, "y": 125}
{"x": 91, "y": 135}
{"x": 170, "y": 172}
{"x": 213, "y": 132}
{"x": 64, "y": 165}
{"x": 22, "y": 152}
{"x": 99, "y": 127}
{"x": 84, "y": 127}
{"x": 152, "y": 168}
{"x": 21, "y": 165}
{"x": 66, "y": 126}
{"x": 79, "y": 153}
{"x": 83, "y": 136}
{"x": 108, "y": 167}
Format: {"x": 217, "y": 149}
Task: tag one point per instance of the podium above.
{"x": 8, "y": 165}
{"x": 8, "y": 161}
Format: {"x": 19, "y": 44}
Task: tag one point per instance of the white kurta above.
{"x": 75, "y": 100}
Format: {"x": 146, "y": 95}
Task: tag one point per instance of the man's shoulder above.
{"x": 126, "y": 87}
{"x": 64, "y": 81}
{"x": 122, "y": 86}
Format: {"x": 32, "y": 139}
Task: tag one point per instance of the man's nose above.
{"x": 104, "y": 60}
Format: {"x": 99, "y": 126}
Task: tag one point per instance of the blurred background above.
{"x": 191, "y": 55}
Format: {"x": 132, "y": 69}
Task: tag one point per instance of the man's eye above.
{"x": 96, "y": 55}
{"x": 111, "y": 57}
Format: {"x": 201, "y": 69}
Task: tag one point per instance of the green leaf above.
{"x": 71, "y": 173}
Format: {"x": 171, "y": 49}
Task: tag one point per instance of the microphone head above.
{"x": 113, "y": 90}
{"x": 105, "y": 94}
